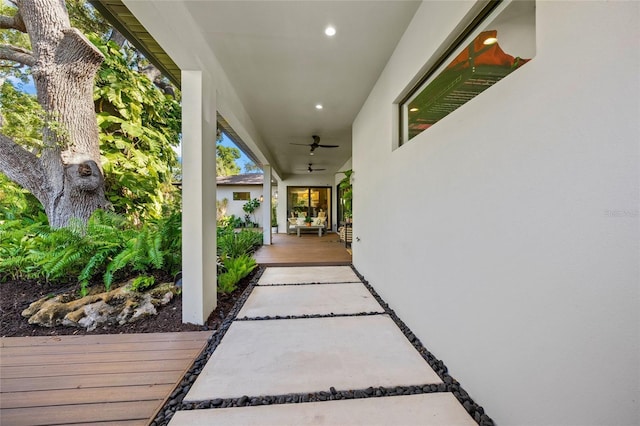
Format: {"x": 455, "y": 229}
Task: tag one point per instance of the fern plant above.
{"x": 17, "y": 239}
{"x": 232, "y": 244}
{"x": 236, "y": 269}
{"x": 105, "y": 246}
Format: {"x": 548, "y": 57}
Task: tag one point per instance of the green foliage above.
{"x": 17, "y": 240}
{"x": 143, "y": 283}
{"x": 274, "y": 216}
{"x": 232, "y": 222}
{"x": 155, "y": 246}
{"x": 221, "y": 208}
{"x": 234, "y": 244}
{"x": 23, "y": 117}
{"x": 14, "y": 38}
{"x": 84, "y": 17}
{"x": 18, "y": 203}
{"x": 139, "y": 125}
{"x": 226, "y": 157}
{"x": 347, "y": 195}
{"x": 252, "y": 167}
{"x": 80, "y": 251}
{"x": 107, "y": 244}
{"x": 249, "y": 208}
{"x": 235, "y": 270}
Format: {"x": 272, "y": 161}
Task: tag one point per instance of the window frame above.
{"x": 248, "y": 195}
{"x": 492, "y": 9}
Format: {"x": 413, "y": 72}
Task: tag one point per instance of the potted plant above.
{"x": 308, "y": 220}
{"x": 347, "y": 195}
{"x": 249, "y": 208}
{"x": 274, "y": 218}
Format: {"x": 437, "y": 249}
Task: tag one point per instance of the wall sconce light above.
{"x": 261, "y": 198}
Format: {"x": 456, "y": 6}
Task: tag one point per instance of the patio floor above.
{"x": 295, "y": 355}
{"x": 119, "y": 379}
{"x": 308, "y": 249}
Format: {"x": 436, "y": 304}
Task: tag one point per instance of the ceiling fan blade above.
{"x": 301, "y": 144}
{"x": 329, "y": 146}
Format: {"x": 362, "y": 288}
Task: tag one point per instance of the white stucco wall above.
{"x": 510, "y": 238}
{"x": 235, "y": 206}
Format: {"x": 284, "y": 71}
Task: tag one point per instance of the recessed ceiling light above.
{"x": 330, "y": 31}
{"x": 490, "y": 40}
{"x": 318, "y": 106}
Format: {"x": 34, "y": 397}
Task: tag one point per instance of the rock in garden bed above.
{"x": 119, "y": 306}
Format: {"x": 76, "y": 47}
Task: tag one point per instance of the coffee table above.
{"x": 314, "y": 227}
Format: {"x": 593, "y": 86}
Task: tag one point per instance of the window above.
{"x": 499, "y": 41}
{"x": 241, "y": 196}
{"x": 308, "y": 201}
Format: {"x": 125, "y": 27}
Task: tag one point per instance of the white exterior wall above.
{"x": 510, "y": 238}
{"x": 235, "y": 206}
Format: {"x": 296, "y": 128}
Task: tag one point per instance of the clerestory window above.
{"x": 499, "y": 41}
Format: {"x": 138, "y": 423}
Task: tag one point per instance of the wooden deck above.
{"x": 308, "y": 249}
{"x": 119, "y": 379}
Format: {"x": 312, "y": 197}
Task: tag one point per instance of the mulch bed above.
{"x": 16, "y": 295}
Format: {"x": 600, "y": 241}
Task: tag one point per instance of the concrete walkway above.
{"x": 316, "y": 346}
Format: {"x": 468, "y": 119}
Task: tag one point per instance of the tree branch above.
{"x": 155, "y": 76}
{"x": 13, "y": 23}
{"x": 76, "y": 50}
{"x": 17, "y": 54}
{"x": 23, "y": 168}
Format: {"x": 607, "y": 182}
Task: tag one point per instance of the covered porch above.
{"x": 526, "y": 196}
{"x": 306, "y": 250}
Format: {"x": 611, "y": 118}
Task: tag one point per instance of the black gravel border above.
{"x": 175, "y": 401}
{"x": 451, "y": 385}
{"x": 310, "y": 283}
{"x": 331, "y": 315}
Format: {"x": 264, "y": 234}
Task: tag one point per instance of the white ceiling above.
{"x": 281, "y": 63}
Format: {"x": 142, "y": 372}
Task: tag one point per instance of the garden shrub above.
{"x": 106, "y": 245}
{"x": 236, "y": 269}
{"x": 234, "y": 244}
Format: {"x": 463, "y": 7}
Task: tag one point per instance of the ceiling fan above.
{"x": 310, "y": 169}
{"x": 316, "y": 144}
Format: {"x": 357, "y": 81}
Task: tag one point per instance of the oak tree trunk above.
{"x": 67, "y": 177}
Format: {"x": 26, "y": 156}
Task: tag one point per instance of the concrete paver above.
{"x": 434, "y": 409}
{"x": 359, "y": 348}
{"x": 309, "y": 355}
{"x": 294, "y": 300}
{"x": 308, "y": 274}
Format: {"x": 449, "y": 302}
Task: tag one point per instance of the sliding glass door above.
{"x": 309, "y": 200}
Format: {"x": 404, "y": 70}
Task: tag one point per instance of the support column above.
{"x": 198, "y": 199}
{"x": 266, "y": 205}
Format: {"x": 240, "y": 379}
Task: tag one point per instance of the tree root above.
{"x": 117, "y": 306}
